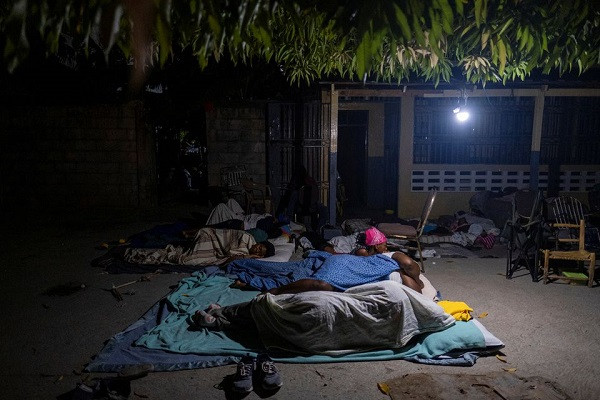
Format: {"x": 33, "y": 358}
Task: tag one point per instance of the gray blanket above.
{"x": 379, "y": 315}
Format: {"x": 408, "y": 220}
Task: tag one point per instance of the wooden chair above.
{"x": 257, "y": 194}
{"x": 580, "y": 255}
{"x": 566, "y": 210}
{"x": 409, "y": 232}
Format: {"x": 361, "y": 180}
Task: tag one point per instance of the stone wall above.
{"x": 236, "y": 136}
{"x": 72, "y": 156}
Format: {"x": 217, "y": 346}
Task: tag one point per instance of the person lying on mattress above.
{"x": 321, "y": 270}
{"x": 230, "y": 215}
{"x": 210, "y": 246}
{"x": 379, "y": 315}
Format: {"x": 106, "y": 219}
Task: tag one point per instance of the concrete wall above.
{"x": 236, "y": 135}
{"x": 71, "y": 156}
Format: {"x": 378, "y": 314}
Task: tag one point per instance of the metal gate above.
{"x": 296, "y": 137}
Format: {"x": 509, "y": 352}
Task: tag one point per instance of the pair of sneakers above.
{"x": 260, "y": 369}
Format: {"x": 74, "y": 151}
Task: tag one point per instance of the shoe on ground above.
{"x": 242, "y": 382}
{"x": 267, "y": 373}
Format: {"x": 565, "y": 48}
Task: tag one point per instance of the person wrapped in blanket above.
{"x": 321, "y": 270}
{"x": 209, "y": 246}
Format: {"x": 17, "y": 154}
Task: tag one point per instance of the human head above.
{"x": 263, "y": 249}
{"x": 376, "y": 240}
{"x": 258, "y": 249}
{"x": 374, "y": 236}
{"x": 270, "y": 248}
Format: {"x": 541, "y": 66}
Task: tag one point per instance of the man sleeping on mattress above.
{"x": 379, "y": 315}
{"x": 210, "y": 246}
{"x": 325, "y": 271}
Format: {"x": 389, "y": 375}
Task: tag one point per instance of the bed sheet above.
{"x": 460, "y": 344}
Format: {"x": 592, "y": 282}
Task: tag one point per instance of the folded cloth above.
{"x": 458, "y": 309}
{"x": 487, "y": 241}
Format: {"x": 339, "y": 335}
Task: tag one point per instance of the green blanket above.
{"x": 174, "y": 334}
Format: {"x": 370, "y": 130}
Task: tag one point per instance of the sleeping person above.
{"x": 344, "y": 271}
{"x": 230, "y": 215}
{"x": 322, "y": 270}
{"x": 210, "y": 246}
{"x": 378, "y": 315}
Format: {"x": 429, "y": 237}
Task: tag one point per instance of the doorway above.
{"x": 352, "y": 157}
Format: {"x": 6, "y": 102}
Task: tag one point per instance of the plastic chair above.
{"x": 409, "y": 232}
{"x": 524, "y": 233}
{"x": 580, "y": 255}
{"x": 257, "y": 194}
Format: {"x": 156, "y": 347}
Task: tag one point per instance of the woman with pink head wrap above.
{"x": 375, "y": 242}
{"x": 374, "y": 236}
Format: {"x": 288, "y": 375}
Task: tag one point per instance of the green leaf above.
{"x": 459, "y": 7}
{"x": 524, "y": 38}
{"x": 214, "y": 25}
{"x": 419, "y": 36}
{"x": 501, "y": 56}
{"x": 544, "y": 41}
{"x": 530, "y": 43}
{"x": 484, "y": 39}
{"x": 505, "y": 26}
{"x": 403, "y": 21}
{"x": 465, "y": 30}
{"x": 164, "y": 40}
{"x": 448, "y": 16}
{"x": 436, "y": 28}
{"x": 363, "y": 55}
{"x": 478, "y": 6}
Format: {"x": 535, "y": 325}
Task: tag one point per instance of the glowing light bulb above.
{"x": 462, "y": 115}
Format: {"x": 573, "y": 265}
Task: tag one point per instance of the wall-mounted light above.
{"x": 461, "y": 112}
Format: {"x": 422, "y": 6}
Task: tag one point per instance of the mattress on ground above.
{"x": 163, "y": 337}
{"x": 283, "y": 250}
{"x": 113, "y": 263}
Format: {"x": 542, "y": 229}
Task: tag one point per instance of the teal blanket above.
{"x": 175, "y": 334}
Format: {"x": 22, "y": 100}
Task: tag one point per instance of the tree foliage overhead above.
{"x": 387, "y": 40}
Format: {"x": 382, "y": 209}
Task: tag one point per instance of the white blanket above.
{"x": 373, "y": 316}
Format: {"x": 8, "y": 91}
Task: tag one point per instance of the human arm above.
{"x": 238, "y": 257}
{"x": 409, "y": 269}
{"x": 361, "y": 252}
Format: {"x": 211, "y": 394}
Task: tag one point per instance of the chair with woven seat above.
{"x": 579, "y": 255}
{"x": 409, "y": 232}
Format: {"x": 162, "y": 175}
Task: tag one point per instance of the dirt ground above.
{"x": 549, "y": 331}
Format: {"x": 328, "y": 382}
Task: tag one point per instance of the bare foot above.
{"x": 239, "y": 284}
